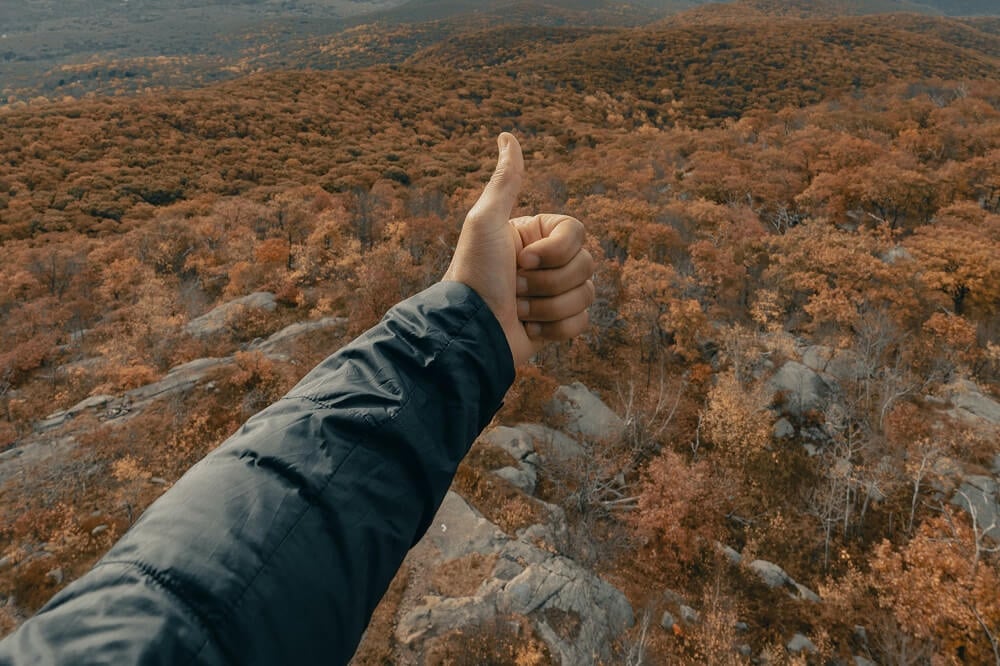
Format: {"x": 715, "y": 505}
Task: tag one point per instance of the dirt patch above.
{"x": 507, "y": 640}
{"x": 462, "y": 577}
{"x": 565, "y": 624}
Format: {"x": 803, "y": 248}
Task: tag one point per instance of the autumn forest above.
{"x": 795, "y": 210}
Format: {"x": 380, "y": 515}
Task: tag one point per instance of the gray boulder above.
{"x": 52, "y": 421}
{"x": 552, "y": 443}
{"x": 775, "y": 577}
{"x": 515, "y": 441}
{"x": 805, "y": 593}
{"x": 272, "y": 345}
{"x": 803, "y": 388}
{"x": 783, "y": 429}
{"x": 689, "y": 615}
{"x": 978, "y": 497}
{"x": 559, "y": 584}
{"x": 729, "y": 552}
{"x": 214, "y": 321}
{"x": 521, "y": 448}
{"x": 969, "y": 399}
{"x": 94, "y": 402}
{"x": 770, "y": 573}
{"x": 799, "y": 644}
{"x": 842, "y": 364}
{"x": 585, "y": 414}
{"x": 524, "y": 478}
{"x": 667, "y": 620}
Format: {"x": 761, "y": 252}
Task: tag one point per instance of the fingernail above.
{"x": 522, "y": 284}
{"x": 530, "y": 261}
{"x": 523, "y": 307}
{"x": 533, "y": 330}
{"x": 503, "y": 142}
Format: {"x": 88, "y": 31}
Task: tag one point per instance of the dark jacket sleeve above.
{"x": 276, "y": 547}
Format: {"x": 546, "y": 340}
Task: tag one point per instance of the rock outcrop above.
{"x": 775, "y": 577}
{"x": 557, "y": 445}
{"x": 214, "y": 321}
{"x": 585, "y": 414}
{"x": 182, "y": 378}
{"x": 770, "y": 574}
{"x": 273, "y": 345}
{"x": 843, "y": 365}
{"x": 576, "y": 613}
{"x": 519, "y": 445}
{"x": 56, "y": 419}
{"x": 978, "y": 497}
{"x": 970, "y": 401}
{"x": 799, "y": 643}
{"x": 783, "y": 429}
{"x": 802, "y": 388}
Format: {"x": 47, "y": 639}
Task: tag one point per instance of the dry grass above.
{"x": 463, "y": 576}
{"x": 503, "y": 641}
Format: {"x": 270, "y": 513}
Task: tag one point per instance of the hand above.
{"x": 532, "y": 271}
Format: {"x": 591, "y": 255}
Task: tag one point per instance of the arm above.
{"x": 276, "y": 548}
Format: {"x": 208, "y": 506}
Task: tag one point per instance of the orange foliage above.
{"x": 941, "y": 563}
{"x": 678, "y": 513}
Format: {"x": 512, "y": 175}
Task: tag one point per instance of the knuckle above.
{"x": 476, "y": 215}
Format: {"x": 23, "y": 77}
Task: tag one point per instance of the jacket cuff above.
{"x": 474, "y": 331}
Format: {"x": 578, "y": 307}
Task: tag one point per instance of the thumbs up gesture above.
{"x": 533, "y": 272}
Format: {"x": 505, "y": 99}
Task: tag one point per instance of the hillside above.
{"x": 153, "y": 151}
{"x": 794, "y": 355}
{"x": 704, "y": 75}
{"x": 59, "y": 49}
{"x": 835, "y": 8}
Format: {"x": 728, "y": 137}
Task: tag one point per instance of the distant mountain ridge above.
{"x": 848, "y": 7}
{"x": 835, "y": 8}
{"x": 118, "y": 49}
{"x": 735, "y": 66}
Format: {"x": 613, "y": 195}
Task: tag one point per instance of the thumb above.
{"x": 500, "y": 195}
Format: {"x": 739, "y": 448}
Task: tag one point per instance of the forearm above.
{"x": 277, "y": 547}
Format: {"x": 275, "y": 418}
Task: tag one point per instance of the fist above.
{"x": 533, "y": 272}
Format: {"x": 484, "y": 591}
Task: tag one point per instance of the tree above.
{"x": 959, "y": 256}
{"x": 941, "y": 563}
{"x": 676, "y": 510}
{"x": 736, "y": 421}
